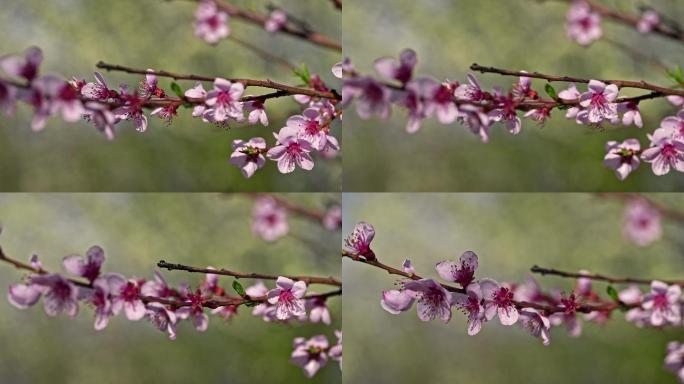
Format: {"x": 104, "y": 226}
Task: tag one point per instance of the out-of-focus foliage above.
{"x": 136, "y": 231}
{"x": 450, "y": 35}
{"x": 510, "y": 233}
{"x": 188, "y": 155}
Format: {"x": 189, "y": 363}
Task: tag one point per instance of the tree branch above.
{"x": 595, "y": 276}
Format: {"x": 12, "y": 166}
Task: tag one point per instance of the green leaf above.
{"x": 551, "y": 91}
{"x": 177, "y": 89}
{"x": 238, "y": 288}
{"x": 676, "y": 74}
{"x": 251, "y": 303}
{"x": 303, "y": 73}
{"x": 612, "y": 293}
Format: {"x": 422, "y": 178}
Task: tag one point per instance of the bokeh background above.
{"x": 510, "y": 233}
{"x": 188, "y": 155}
{"x": 136, "y": 231}
{"x": 450, "y": 35}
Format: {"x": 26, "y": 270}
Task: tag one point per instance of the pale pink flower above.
{"x": 433, "y": 300}
{"x": 224, "y": 100}
{"x": 674, "y": 361}
{"x": 674, "y": 124}
{"x": 663, "y": 304}
{"x": 132, "y": 110}
{"x": 498, "y": 300}
{"x": 319, "y": 312}
{"x": 333, "y": 218}
{"x": 195, "y": 311}
{"x": 371, "y": 96}
{"x": 23, "y": 66}
{"x": 276, "y": 20}
{"x": 226, "y": 313}
{"x": 269, "y": 220}
{"x": 23, "y": 296}
{"x": 288, "y": 298}
{"x": 402, "y": 70}
{"x": 197, "y": 93}
{"x": 248, "y": 155}
{"x": 335, "y": 352}
{"x": 571, "y": 94}
{"x": 257, "y": 112}
{"x": 666, "y": 151}
{"x": 471, "y": 304}
{"x": 291, "y": 151}
{"x": 310, "y": 127}
{"x": 462, "y": 272}
{"x": 470, "y": 91}
{"x": 622, "y": 157}
{"x": 101, "y": 117}
{"x": 148, "y": 87}
{"x": 396, "y": 301}
{"x": 473, "y": 118}
{"x": 264, "y": 310}
{"x": 162, "y": 318}
{"x": 126, "y": 297}
{"x": 59, "y": 294}
{"x": 536, "y": 323}
{"x": 599, "y": 102}
{"x": 310, "y": 354}
{"x": 649, "y": 20}
{"x": 582, "y": 24}
{"x": 358, "y": 242}
{"x": 211, "y": 23}
{"x": 88, "y": 266}
{"x": 100, "y": 298}
{"x": 506, "y": 112}
{"x": 631, "y": 114}
{"x": 97, "y": 90}
{"x": 437, "y": 98}
{"x": 642, "y": 222}
{"x": 156, "y": 287}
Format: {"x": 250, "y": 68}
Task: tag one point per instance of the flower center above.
{"x": 130, "y": 292}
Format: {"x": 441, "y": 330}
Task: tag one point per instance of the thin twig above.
{"x": 596, "y": 276}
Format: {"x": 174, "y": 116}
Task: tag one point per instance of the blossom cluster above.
{"x": 270, "y": 219}
{"x": 526, "y": 304}
{"x": 478, "y": 109}
{"x": 211, "y": 22}
{"x": 110, "y": 294}
{"x": 303, "y": 135}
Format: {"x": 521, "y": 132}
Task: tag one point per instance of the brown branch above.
{"x": 548, "y": 309}
{"x": 247, "y": 82}
{"x": 20, "y": 265}
{"x": 596, "y": 276}
{"x": 568, "y": 79}
{"x": 249, "y": 275}
{"x": 259, "y": 19}
{"x": 664, "y": 210}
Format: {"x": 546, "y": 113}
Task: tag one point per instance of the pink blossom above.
{"x": 148, "y": 87}
{"x": 371, "y": 96}
{"x": 437, "y": 98}
{"x": 156, "y": 287}
{"x": 89, "y": 266}
{"x": 677, "y": 101}
{"x": 568, "y": 316}
{"x": 663, "y": 304}
{"x": 226, "y": 313}
{"x": 408, "y": 267}
{"x": 402, "y": 70}
{"x": 257, "y": 113}
{"x": 571, "y": 94}
{"x": 470, "y": 91}
{"x": 540, "y": 115}
{"x": 434, "y": 301}
{"x": 197, "y": 93}
{"x": 162, "y": 318}
{"x": 269, "y": 220}
{"x": 498, "y": 300}
{"x": 528, "y": 291}
{"x": 462, "y": 272}
{"x": 195, "y": 311}
{"x": 319, "y": 312}
{"x": 276, "y": 20}
{"x": 674, "y": 361}
{"x": 337, "y": 70}
{"x": 211, "y": 23}
{"x": 97, "y": 90}
{"x": 101, "y": 117}
{"x": 310, "y": 126}
{"x": 333, "y": 218}
{"x": 310, "y": 354}
{"x": 523, "y": 88}
{"x": 649, "y": 20}
{"x": 582, "y": 24}
{"x": 291, "y": 151}
{"x": 126, "y": 297}
{"x": 166, "y": 113}
{"x": 248, "y": 155}
{"x": 23, "y": 296}
{"x": 132, "y": 110}
{"x": 631, "y": 114}
{"x": 224, "y": 100}
{"x": 396, "y": 301}
{"x": 641, "y": 222}
{"x": 100, "y": 298}
{"x": 599, "y": 102}
{"x": 287, "y": 297}
{"x": 23, "y": 66}
{"x": 471, "y": 304}
{"x": 335, "y": 352}
{"x": 264, "y": 310}
{"x": 536, "y": 323}
{"x": 413, "y": 102}
{"x": 358, "y": 242}
{"x": 506, "y": 112}
{"x": 674, "y": 124}
{"x": 59, "y": 294}
{"x": 666, "y": 151}
{"x": 473, "y": 118}
{"x": 622, "y": 157}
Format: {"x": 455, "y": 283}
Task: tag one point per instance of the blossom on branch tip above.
{"x": 276, "y": 20}
{"x": 401, "y": 70}
{"x": 649, "y": 20}
{"x": 359, "y": 240}
{"x": 287, "y": 298}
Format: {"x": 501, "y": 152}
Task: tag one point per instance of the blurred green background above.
{"x": 450, "y": 35}
{"x": 136, "y": 231}
{"x": 510, "y": 233}
{"x": 188, "y": 155}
